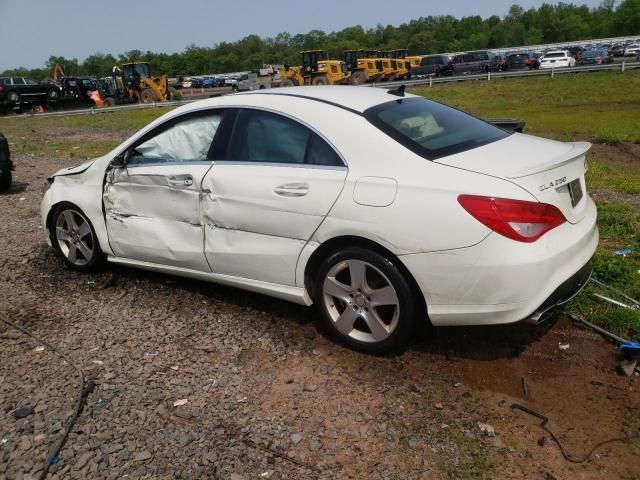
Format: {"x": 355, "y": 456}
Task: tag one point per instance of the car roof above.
{"x": 348, "y": 97}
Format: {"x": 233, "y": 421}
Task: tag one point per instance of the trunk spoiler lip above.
{"x": 577, "y": 149}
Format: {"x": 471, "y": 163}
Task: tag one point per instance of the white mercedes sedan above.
{"x": 384, "y": 209}
{"x": 557, "y": 59}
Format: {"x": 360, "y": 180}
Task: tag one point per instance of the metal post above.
{"x": 430, "y": 81}
{"x": 489, "y": 75}
{"x": 552, "y": 72}
{"x": 622, "y": 68}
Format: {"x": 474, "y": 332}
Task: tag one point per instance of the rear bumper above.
{"x": 563, "y": 294}
{"x": 502, "y": 281}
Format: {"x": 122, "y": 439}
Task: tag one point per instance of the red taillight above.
{"x": 598, "y": 59}
{"x": 515, "y": 219}
{"x": 1, "y": 87}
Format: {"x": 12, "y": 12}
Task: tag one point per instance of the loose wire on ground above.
{"x": 569, "y": 456}
{"x": 86, "y": 387}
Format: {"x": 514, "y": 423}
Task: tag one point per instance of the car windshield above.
{"x": 431, "y": 129}
{"x": 555, "y": 55}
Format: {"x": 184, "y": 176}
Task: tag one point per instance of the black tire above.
{"x": 96, "y": 260}
{"x": 320, "y": 80}
{"x": 5, "y": 165}
{"x": 401, "y": 315}
{"x": 147, "y": 96}
{"x": 109, "y": 102}
{"x": 358, "y": 77}
{"x": 234, "y": 89}
{"x": 287, "y": 82}
{"x": 13, "y": 97}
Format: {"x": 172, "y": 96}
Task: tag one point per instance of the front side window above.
{"x": 431, "y": 129}
{"x": 266, "y": 137}
{"x": 30, "y": 82}
{"x": 18, "y": 81}
{"x": 188, "y": 140}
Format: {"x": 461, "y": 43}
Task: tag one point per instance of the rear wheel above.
{"x": 147, "y": 96}
{"x": 13, "y": 97}
{"x": 73, "y": 236}
{"x": 320, "y": 80}
{"x": 287, "y": 82}
{"x": 109, "y": 102}
{"x": 365, "y": 301}
{"x": 358, "y": 78}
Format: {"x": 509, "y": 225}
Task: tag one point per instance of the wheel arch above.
{"x": 344, "y": 241}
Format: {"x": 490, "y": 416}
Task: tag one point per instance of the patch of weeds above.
{"x": 473, "y": 461}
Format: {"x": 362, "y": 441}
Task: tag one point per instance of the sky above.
{"x": 76, "y": 29}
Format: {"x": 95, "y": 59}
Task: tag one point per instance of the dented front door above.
{"x": 152, "y": 205}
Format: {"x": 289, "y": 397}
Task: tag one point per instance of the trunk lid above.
{"x": 553, "y": 172}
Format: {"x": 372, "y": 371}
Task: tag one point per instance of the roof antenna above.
{"x": 398, "y": 92}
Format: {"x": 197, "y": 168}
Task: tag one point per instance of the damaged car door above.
{"x": 152, "y": 193}
{"x": 268, "y": 191}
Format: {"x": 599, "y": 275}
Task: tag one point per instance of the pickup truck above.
{"x": 250, "y": 81}
{"x": 20, "y": 89}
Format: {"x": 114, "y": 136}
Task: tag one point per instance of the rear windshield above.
{"x": 555, "y": 55}
{"x": 430, "y": 129}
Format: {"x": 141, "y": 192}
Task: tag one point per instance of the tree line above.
{"x": 548, "y": 23}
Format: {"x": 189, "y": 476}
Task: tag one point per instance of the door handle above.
{"x": 292, "y": 190}
{"x": 180, "y": 180}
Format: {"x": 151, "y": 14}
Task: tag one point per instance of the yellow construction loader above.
{"x": 316, "y": 69}
{"x": 144, "y": 88}
{"x": 363, "y": 66}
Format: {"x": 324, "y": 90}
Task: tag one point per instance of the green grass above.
{"x": 79, "y": 136}
{"x": 602, "y": 107}
{"x": 613, "y": 177}
{"x": 599, "y": 107}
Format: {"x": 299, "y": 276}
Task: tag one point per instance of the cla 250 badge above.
{"x": 555, "y": 183}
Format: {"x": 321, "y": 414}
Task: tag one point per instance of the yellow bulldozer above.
{"x": 363, "y": 66}
{"x": 400, "y": 68}
{"x": 142, "y": 87}
{"x": 316, "y": 69}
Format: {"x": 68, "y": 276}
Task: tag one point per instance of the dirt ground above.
{"x": 268, "y": 396}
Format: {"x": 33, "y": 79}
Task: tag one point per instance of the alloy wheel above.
{"x": 361, "y": 301}
{"x": 75, "y": 237}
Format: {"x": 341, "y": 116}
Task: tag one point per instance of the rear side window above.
{"x": 431, "y": 129}
{"x": 266, "y": 137}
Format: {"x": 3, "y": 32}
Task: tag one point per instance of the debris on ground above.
{"x": 23, "y": 412}
{"x": 487, "y": 429}
{"x": 627, "y": 367}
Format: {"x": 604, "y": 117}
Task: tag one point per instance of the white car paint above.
{"x": 557, "y": 59}
{"x": 256, "y": 226}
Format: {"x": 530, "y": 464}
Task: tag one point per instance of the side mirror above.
{"x": 120, "y": 160}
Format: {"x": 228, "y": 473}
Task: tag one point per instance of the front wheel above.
{"x": 13, "y": 97}
{"x": 320, "y": 80}
{"x": 365, "y": 301}
{"x": 73, "y": 236}
{"x": 147, "y": 96}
